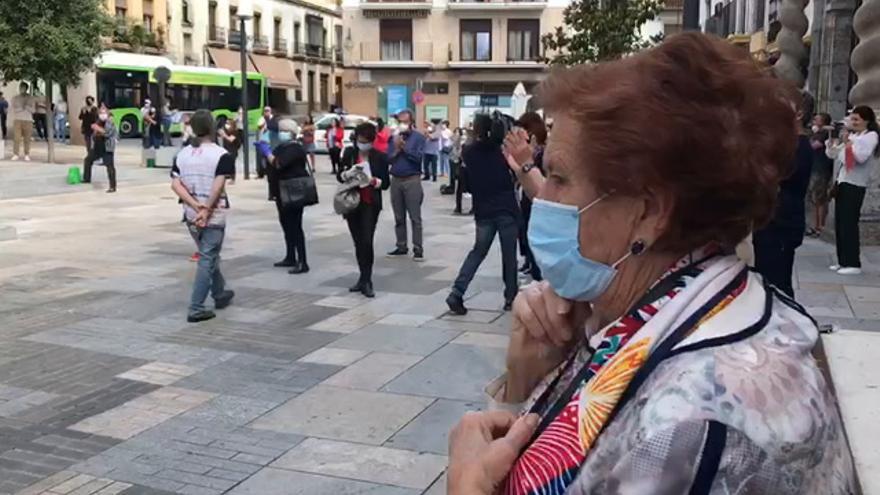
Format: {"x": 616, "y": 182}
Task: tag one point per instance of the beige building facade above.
{"x": 295, "y": 43}
{"x": 445, "y": 59}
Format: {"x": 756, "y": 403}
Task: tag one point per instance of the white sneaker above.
{"x": 849, "y": 270}
{"x": 27, "y": 158}
{"x": 14, "y": 158}
{"x": 834, "y": 268}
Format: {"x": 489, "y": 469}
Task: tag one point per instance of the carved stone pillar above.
{"x": 792, "y": 51}
{"x": 865, "y": 62}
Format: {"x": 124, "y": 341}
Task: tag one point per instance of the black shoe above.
{"x": 525, "y": 268}
{"x": 456, "y": 304}
{"x": 111, "y": 190}
{"x": 356, "y": 287}
{"x": 426, "y": 178}
{"x": 397, "y": 252}
{"x": 285, "y": 263}
{"x": 470, "y": 213}
{"x": 200, "y": 316}
{"x": 224, "y": 299}
{"x": 299, "y": 268}
{"x": 508, "y": 305}
{"x": 368, "y": 291}
{"x": 457, "y": 212}
{"x": 418, "y": 256}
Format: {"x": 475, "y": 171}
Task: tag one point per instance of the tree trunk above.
{"x": 50, "y": 122}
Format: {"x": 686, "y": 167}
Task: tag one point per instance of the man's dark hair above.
{"x": 365, "y": 130}
{"x": 826, "y": 118}
{"x": 380, "y": 123}
{"x": 482, "y": 126}
{"x": 202, "y": 123}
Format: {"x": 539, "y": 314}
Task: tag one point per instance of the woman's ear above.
{"x": 658, "y": 206}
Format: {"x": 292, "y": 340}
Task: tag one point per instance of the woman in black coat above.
{"x": 287, "y": 161}
{"x": 362, "y": 158}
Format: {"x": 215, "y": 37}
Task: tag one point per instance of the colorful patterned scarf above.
{"x": 552, "y": 461}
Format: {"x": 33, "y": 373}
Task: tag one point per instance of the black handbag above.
{"x": 298, "y": 191}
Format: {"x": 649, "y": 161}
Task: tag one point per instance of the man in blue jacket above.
{"x": 407, "y": 195}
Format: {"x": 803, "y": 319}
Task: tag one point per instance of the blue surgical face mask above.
{"x": 365, "y": 146}
{"x": 285, "y": 136}
{"x": 553, "y": 238}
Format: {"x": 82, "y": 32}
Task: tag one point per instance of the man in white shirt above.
{"x": 23, "y": 108}
{"x": 199, "y": 178}
{"x": 445, "y": 147}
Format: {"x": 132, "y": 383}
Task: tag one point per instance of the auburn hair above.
{"x": 694, "y": 116}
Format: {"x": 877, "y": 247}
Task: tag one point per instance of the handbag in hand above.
{"x": 347, "y": 198}
{"x": 298, "y": 191}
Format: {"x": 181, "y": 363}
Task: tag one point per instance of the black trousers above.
{"x": 525, "y": 206}
{"x": 40, "y": 125}
{"x": 847, "y": 211}
{"x": 461, "y": 185}
{"x": 774, "y": 258}
{"x": 107, "y": 158}
{"x": 3, "y": 124}
{"x": 334, "y": 158}
{"x": 362, "y": 226}
{"x": 291, "y": 219}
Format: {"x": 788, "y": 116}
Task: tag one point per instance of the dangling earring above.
{"x": 638, "y": 247}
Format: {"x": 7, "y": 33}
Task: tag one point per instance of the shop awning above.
{"x": 278, "y": 71}
{"x": 229, "y": 59}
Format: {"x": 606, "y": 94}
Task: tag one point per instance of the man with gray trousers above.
{"x": 406, "y": 185}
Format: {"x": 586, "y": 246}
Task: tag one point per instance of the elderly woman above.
{"x": 650, "y": 360}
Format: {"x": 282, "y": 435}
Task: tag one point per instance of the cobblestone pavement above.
{"x": 297, "y": 388}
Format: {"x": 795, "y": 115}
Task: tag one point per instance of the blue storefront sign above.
{"x": 398, "y": 99}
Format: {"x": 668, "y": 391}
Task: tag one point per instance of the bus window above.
{"x": 121, "y": 89}
{"x": 224, "y": 98}
{"x": 255, "y": 94}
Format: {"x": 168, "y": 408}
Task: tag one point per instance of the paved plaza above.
{"x": 299, "y": 387}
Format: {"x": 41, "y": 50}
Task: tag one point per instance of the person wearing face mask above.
{"x": 230, "y": 139}
{"x": 407, "y": 194}
{"x": 88, "y": 115}
{"x": 858, "y": 154}
{"x": 495, "y": 212}
{"x": 369, "y": 166}
{"x": 288, "y": 160}
{"x": 651, "y": 360}
{"x": 103, "y": 147}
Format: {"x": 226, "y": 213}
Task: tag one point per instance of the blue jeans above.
{"x": 429, "y": 165}
{"x": 208, "y": 276}
{"x": 60, "y": 127}
{"x": 508, "y": 231}
{"x": 444, "y": 164}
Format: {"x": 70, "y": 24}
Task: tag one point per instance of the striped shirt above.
{"x": 196, "y": 167}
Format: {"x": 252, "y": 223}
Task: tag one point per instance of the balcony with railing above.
{"x": 279, "y": 46}
{"x": 234, "y": 37}
{"x": 261, "y": 44}
{"x": 216, "y": 36}
{"x": 396, "y": 54}
{"x": 396, "y": 5}
{"x": 505, "y": 5}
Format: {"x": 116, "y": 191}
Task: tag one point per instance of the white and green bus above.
{"x": 124, "y": 80}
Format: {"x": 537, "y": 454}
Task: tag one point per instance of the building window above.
{"x": 297, "y": 27}
{"x": 233, "y": 18}
{"x": 120, "y": 13}
{"x": 435, "y": 88}
{"x": 184, "y": 13}
{"x": 276, "y": 34}
{"x": 395, "y": 37}
{"x": 522, "y": 39}
{"x": 298, "y": 93}
{"x": 257, "y": 28}
{"x": 148, "y": 23}
{"x": 212, "y": 18}
{"x": 476, "y": 40}
{"x": 311, "y": 90}
{"x": 325, "y": 90}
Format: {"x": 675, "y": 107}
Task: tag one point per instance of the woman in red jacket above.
{"x": 335, "y": 135}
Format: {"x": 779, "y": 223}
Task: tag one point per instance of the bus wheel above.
{"x": 128, "y": 127}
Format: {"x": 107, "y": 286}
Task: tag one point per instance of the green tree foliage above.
{"x": 51, "y": 40}
{"x": 599, "y": 30}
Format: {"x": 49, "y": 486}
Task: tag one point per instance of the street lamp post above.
{"x": 245, "y": 12}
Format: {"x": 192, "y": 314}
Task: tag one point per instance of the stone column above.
{"x": 866, "y": 64}
{"x": 792, "y": 51}
{"x": 832, "y": 71}
{"x": 866, "y": 55}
